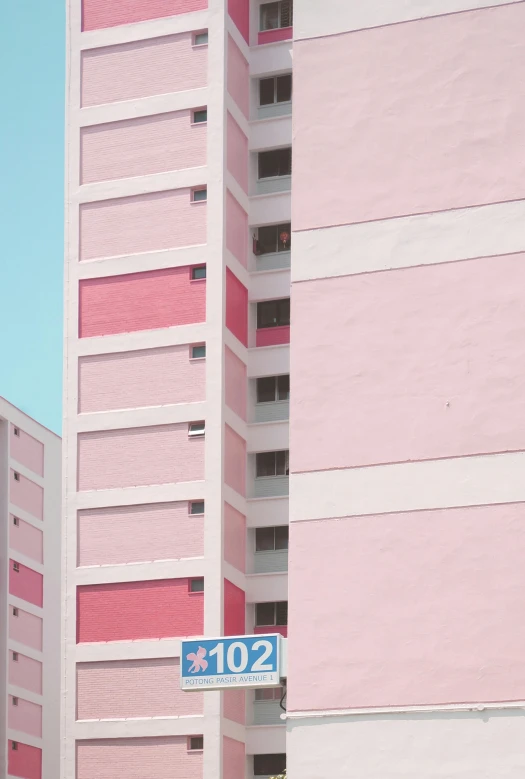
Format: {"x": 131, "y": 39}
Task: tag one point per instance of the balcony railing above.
{"x": 271, "y": 487}
{"x": 273, "y": 261}
{"x": 270, "y": 562}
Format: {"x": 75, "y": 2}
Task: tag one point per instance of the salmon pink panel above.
{"x": 133, "y": 688}
{"x": 130, "y": 71}
{"x": 25, "y": 761}
{"x": 282, "y": 629}
{"x": 138, "y": 610}
{"x": 239, "y": 12}
{"x": 25, "y": 583}
{"x": 407, "y": 110}
{"x": 142, "y": 223}
{"x": 25, "y": 717}
{"x": 233, "y": 758}
{"x": 164, "y": 757}
{"x": 234, "y": 610}
{"x": 26, "y": 539}
{"x": 140, "y": 301}
{"x": 150, "y": 377}
{"x": 110, "y": 459}
{"x": 237, "y": 153}
{"x": 234, "y": 705}
{"x": 236, "y": 229}
{"x": 273, "y": 36}
{"x": 234, "y": 538}
{"x": 26, "y": 673}
{"x": 26, "y": 450}
{"x": 272, "y": 336}
{"x": 238, "y": 77}
{"x": 97, "y": 14}
{"x": 236, "y": 307}
{"x": 25, "y": 494}
{"x": 236, "y": 383}
{"x": 25, "y": 628}
{"x": 135, "y": 534}
{"x": 235, "y": 461}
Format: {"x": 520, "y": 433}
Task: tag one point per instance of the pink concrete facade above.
{"x": 237, "y": 153}
{"x": 25, "y": 583}
{"x": 26, "y": 539}
{"x": 26, "y": 494}
{"x": 26, "y": 717}
{"x": 239, "y": 11}
{"x": 234, "y": 758}
{"x": 26, "y": 673}
{"x": 234, "y": 538}
{"x": 144, "y": 758}
{"x": 25, "y": 761}
{"x": 272, "y": 336}
{"x": 25, "y": 628}
{"x": 274, "y": 36}
{"x": 26, "y": 450}
{"x": 236, "y": 384}
{"x": 97, "y": 14}
{"x": 236, "y": 307}
{"x": 236, "y": 229}
{"x": 238, "y": 81}
{"x": 234, "y": 461}
{"x": 234, "y": 705}
{"x": 234, "y": 610}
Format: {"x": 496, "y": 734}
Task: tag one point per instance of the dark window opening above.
{"x": 275, "y": 90}
{"x": 200, "y": 116}
{"x": 196, "y": 742}
{"x": 271, "y": 464}
{"x": 274, "y": 238}
{"x": 276, "y": 15}
{"x": 272, "y": 389}
{"x": 269, "y": 765}
{"x": 271, "y": 614}
{"x": 271, "y": 539}
{"x": 197, "y": 507}
{"x": 198, "y": 272}
{"x": 275, "y": 163}
{"x": 196, "y": 585}
{"x": 273, "y": 313}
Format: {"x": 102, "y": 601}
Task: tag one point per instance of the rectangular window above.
{"x": 196, "y": 429}
{"x": 16, "y": 475}
{"x": 197, "y": 507}
{"x": 200, "y": 38}
{"x": 271, "y": 539}
{"x": 16, "y": 431}
{"x": 271, "y": 464}
{"x": 16, "y": 567}
{"x": 273, "y": 238}
{"x": 273, "y": 313}
{"x": 16, "y": 521}
{"x": 200, "y": 116}
{"x": 196, "y": 585}
{"x": 196, "y": 743}
{"x": 15, "y": 657}
{"x": 15, "y": 611}
{"x": 15, "y": 701}
{"x": 269, "y": 694}
{"x": 269, "y": 765}
{"x": 199, "y": 272}
{"x": 277, "y": 89}
{"x": 272, "y": 389}
{"x": 271, "y": 614}
{"x": 276, "y": 15}
{"x": 275, "y": 163}
{"x": 198, "y": 352}
{"x": 199, "y": 195}
{"x": 14, "y": 745}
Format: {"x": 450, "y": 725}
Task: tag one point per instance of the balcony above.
{"x": 274, "y": 171}
{"x": 275, "y": 23}
{"x": 273, "y": 322}
{"x": 266, "y": 707}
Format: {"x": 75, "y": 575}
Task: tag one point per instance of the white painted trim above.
{"x": 15, "y": 416}
{"x": 152, "y": 649}
{"x": 24, "y": 738}
{"x": 233, "y": 730}
{"x": 238, "y": 38}
{"x": 154, "y": 28}
{"x": 19, "y": 468}
{"x": 141, "y": 107}
{"x": 237, "y": 191}
{"x": 25, "y": 695}
{"x": 36, "y": 611}
{"x": 273, "y": 208}
{"x": 235, "y": 576}
{"x": 145, "y": 339}
{"x": 139, "y": 263}
{"x": 131, "y": 496}
{"x": 138, "y": 728}
{"x": 393, "y": 710}
{"x": 26, "y": 517}
{"x": 27, "y": 561}
{"x": 22, "y": 649}
{"x": 238, "y": 115}
{"x": 140, "y": 185}
{"x": 235, "y": 500}
{"x": 142, "y": 572}
{"x": 140, "y": 417}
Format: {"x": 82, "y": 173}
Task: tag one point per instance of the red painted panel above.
{"x": 234, "y": 610}
{"x": 272, "y": 336}
{"x": 236, "y": 307}
{"x": 272, "y": 36}
{"x": 138, "y": 610}
{"x": 282, "y": 629}
{"x": 97, "y": 14}
{"x": 140, "y": 301}
{"x": 25, "y": 761}
{"x": 239, "y": 12}
{"x": 26, "y": 584}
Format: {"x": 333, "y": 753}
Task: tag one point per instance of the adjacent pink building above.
{"x": 30, "y": 473}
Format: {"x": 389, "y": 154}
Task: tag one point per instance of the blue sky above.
{"x": 31, "y": 206}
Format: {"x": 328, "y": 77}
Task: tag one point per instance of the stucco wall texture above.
{"x": 138, "y": 758}
{"x": 97, "y": 14}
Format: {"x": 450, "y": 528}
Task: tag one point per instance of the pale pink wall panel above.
{"x": 234, "y": 705}
{"x": 237, "y": 153}
{"x": 234, "y": 461}
{"x": 143, "y": 223}
{"x": 25, "y": 762}
{"x": 26, "y": 450}
{"x": 236, "y": 383}
{"x": 445, "y": 378}
{"x": 425, "y": 113}
{"x": 239, "y": 11}
{"x": 272, "y": 336}
{"x": 233, "y": 758}
{"x": 234, "y": 538}
{"x": 236, "y": 229}
{"x": 156, "y": 66}
{"x": 236, "y": 307}
{"x": 25, "y": 583}
{"x": 151, "y": 377}
{"x": 133, "y": 688}
{"x": 25, "y": 673}
{"x": 26, "y": 539}
{"x": 416, "y": 608}
{"x": 234, "y": 610}
{"x": 97, "y": 14}
{"x": 27, "y": 495}
{"x": 133, "y": 534}
{"x": 139, "y": 456}
{"x": 138, "y": 758}
{"x": 25, "y": 628}
{"x": 238, "y": 77}
{"x": 140, "y": 147}
{"x": 26, "y": 717}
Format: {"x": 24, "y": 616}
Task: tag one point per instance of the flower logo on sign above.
{"x": 198, "y": 662}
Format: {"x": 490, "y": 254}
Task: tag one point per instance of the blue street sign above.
{"x": 222, "y": 663}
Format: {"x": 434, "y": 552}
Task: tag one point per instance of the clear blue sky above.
{"x": 31, "y": 206}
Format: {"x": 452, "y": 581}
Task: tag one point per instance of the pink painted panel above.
{"x": 236, "y": 229}
{"x": 272, "y": 336}
{"x": 234, "y": 610}
{"x": 26, "y": 539}
{"x": 25, "y": 628}
{"x": 140, "y": 301}
{"x": 150, "y": 377}
{"x": 429, "y": 387}
{"x": 239, "y": 12}
{"x": 236, "y": 307}
{"x": 445, "y": 591}
{"x": 25, "y": 673}
{"x": 273, "y": 36}
{"x": 97, "y": 14}
{"x": 142, "y": 223}
{"x": 134, "y": 534}
{"x": 133, "y": 688}
{"x": 26, "y": 761}
{"x": 138, "y": 758}
{"x": 282, "y": 629}
{"x": 130, "y": 71}
{"x": 233, "y": 758}
{"x": 238, "y": 77}
{"x": 165, "y": 454}
{"x": 234, "y": 705}
{"x": 236, "y": 383}
{"x": 26, "y": 584}
{"x": 237, "y": 153}
{"x": 27, "y": 495}
{"x": 423, "y": 116}
{"x": 234, "y": 461}
{"x": 26, "y": 717}
{"x": 26, "y": 450}
{"x": 138, "y": 610}
{"x": 234, "y": 538}
{"x": 140, "y": 147}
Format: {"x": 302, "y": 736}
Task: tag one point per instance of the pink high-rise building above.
{"x": 30, "y": 467}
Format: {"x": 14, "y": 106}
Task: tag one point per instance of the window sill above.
{"x": 197, "y": 359}
{"x": 271, "y": 105}
{"x": 198, "y": 202}
{"x": 198, "y": 124}
{"x": 274, "y": 178}
{"x": 196, "y": 281}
